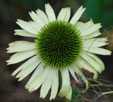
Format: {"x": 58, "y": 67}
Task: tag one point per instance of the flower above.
{"x": 61, "y": 47}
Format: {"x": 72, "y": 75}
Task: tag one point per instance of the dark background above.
{"x": 10, "y": 10}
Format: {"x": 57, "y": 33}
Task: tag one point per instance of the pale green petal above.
{"x": 61, "y": 14}
{"x": 77, "y": 70}
{"x": 69, "y": 94}
{"x": 92, "y": 35}
{"x": 46, "y": 85}
{"x": 25, "y": 65}
{"x": 94, "y": 43}
{"x": 35, "y": 17}
{"x": 64, "y": 14}
{"x": 26, "y": 71}
{"x": 21, "y": 56}
{"x": 38, "y": 72}
{"x": 67, "y": 17}
{"x": 97, "y": 59}
{"x": 26, "y": 26}
{"x": 24, "y": 33}
{"x": 19, "y": 46}
{"x": 38, "y": 80}
{"x": 35, "y": 25}
{"x": 73, "y": 74}
{"x": 77, "y": 15}
{"x": 80, "y": 26}
{"x": 91, "y": 29}
{"x": 42, "y": 16}
{"x": 100, "y": 51}
{"x": 55, "y": 85}
{"x": 50, "y": 12}
{"x": 85, "y": 65}
{"x": 93, "y": 63}
{"x": 65, "y": 83}
{"x": 84, "y": 26}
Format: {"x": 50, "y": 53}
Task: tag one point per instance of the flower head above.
{"x": 61, "y": 46}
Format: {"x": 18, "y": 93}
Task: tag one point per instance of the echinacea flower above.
{"x": 62, "y": 46}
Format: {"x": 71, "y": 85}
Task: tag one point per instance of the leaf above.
{"x": 75, "y": 97}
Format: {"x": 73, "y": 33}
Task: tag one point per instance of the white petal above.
{"x": 96, "y": 42}
{"x": 64, "y": 14}
{"x": 69, "y": 94}
{"x": 35, "y": 25}
{"x": 84, "y": 65}
{"x": 73, "y": 74}
{"x": 100, "y": 51}
{"x": 96, "y": 66}
{"x": 91, "y": 29}
{"x": 77, "y": 15}
{"x": 36, "y": 18}
{"x": 42, "y": 16}
{"x": 25, "y": 65}
{"x": 93, "y": 35}
{"x": 65, "y": 83}
{"x": 19, "y": 46}
{"x": 24, "y": 33}
{"x": 38, "y": 72}
{"x": 97, "y": 59}
{"x": 77, "y": 70}
{"x": 84, "y": 26}
{"x": 38, "y": 80}
{"x": 55, "y": 85}
{"x": 50, "y": 12}
{"x": 67, "y": 17}
{"x": 21, "y": 56}
{"x": 26, "y": 26}
{"x": 46, "y": 85}
{"x": 26, "y": 71}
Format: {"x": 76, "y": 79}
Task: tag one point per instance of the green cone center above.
{"x": 58, "y": 44}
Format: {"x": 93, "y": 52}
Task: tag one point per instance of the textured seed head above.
{"x": 59, "y": 44}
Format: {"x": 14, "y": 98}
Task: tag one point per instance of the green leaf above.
{"x": 75, "y": 97}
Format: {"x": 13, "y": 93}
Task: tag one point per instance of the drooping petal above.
{"x": 91, "y": 29}
{"x": 50, "y": 12}
{"x": 92, "y": 35}
{"x": 38, "y": 80}
{"x": 24, "y": 33}
{"x": 65, "y": 88}
{"x": 46, "y": 85}
{"x": 100, "y": 51}
{"x": 85, "y": 65}
{"x": 77, "y": 70}
{"x": 25, "y": 65}
{"x": 43, "y": 17}
{"x": 69, "y": 94}
{"x": 77, "y": 15}
{"x": 97, "y": 59}
{"x": 26, "y": 26}
{"x": 37, "y": 73}
{"x": 21, "y": 56}
{"x": 84, "y": 26}
{"x": 55, "y": 84}
{"x": 26, "y": 71}
{"x": 96, "y": 66}
{"x": 73, "y": 74}
{"x": 64, "y": 14}
{"x": 19, "y": 46}
{"x": 94, "y": 43}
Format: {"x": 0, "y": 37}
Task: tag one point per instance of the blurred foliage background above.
{"x": 10, "y": 10}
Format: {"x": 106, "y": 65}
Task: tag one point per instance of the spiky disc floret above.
{"x": 59, "y": 44}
